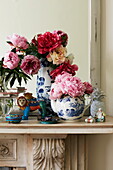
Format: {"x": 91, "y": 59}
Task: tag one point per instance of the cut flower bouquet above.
{"x": 23, "y": 59}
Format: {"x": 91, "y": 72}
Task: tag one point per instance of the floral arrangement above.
{"x": 23, "y": 59}
{"x": 66, "y": 84}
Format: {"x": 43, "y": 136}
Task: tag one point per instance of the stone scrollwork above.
{"x": 7, "y": 149}
{"x": 48, "y": 154}
{"x": 4, "y": 150}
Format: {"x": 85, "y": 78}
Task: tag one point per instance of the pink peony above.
{"x": 18, "y": 42}
{"x": 66, "y": 84}
{"x": 88, "y": 88}
{"x": 70, "y": 85}
{"x": 11, "y": 60}
{"x": 48, "y": 42}
{"x": 55, "y": 92}
{"x": 65, "y": 67}
{"x": 30, "y": 64}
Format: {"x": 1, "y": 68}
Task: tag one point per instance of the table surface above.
{"x": 32, "y": 126}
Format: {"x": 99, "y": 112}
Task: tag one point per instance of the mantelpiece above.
{"x": 48, "y": 147}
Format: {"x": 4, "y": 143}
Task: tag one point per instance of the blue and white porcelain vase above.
{"x": 44, "y": 84}
{"x": 68, "y": 108}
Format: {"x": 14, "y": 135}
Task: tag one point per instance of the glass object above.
{"x": 5, "y": 105}
{"x": 7, "y": 101}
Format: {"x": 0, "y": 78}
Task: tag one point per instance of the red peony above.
{"x": 65, "y": 67}
{"x": 88, "y": 87}
{"x": 48, "y": 42}
{"x": 63, "y": 36}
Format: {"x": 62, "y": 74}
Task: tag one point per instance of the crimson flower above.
{"x": 65, "y": 67}
{"x": 88, "y": 88}
{"x": 63, "y": 36}
{"x": 48, "y": 42}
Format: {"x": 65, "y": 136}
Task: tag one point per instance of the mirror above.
{"x": 29, "y": 17}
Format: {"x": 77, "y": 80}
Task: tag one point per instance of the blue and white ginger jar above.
{"x": 68, "y": 108}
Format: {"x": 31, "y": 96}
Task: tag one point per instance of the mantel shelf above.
{"x": 34, "y": 127}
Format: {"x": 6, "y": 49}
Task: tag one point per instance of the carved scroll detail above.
{"x": 48, "y": 154}
{"x": 7, "y": 149}
{"x": 4, "y": 150}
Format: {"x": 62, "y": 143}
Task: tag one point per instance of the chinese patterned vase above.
{"x": 44, "y": 84}
{"x": 68, "y": 108}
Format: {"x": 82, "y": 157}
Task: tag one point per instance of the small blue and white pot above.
{"x": 68, "y": 108}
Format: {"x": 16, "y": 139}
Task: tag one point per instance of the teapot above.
{"x": 69, "y": 108}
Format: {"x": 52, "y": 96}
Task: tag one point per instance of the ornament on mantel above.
{"x": 27, "y": 103}
{"x": 100, "y": 116}
{"x": 90, "y": 119}
{"x": 97, "y": 101}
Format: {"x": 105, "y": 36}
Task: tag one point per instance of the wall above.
{"x": 107, "y": 53}
{"x": 29, "y": 17}
{"x": 101, "y": 146}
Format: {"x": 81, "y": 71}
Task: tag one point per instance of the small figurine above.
{"x": 90, "y": 119}
{"x": 27, "y": 103}
{"x": 46, "y": 119}
{"x": 100, "y": 116}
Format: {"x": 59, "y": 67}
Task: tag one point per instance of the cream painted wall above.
{"x": 107, "y": 53}
{"x": 29, "y": 17}
{"x": 101, "y": 146}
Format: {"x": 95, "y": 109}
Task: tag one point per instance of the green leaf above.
{"x": 25, "y": 80}
{"x": 13, "y": 50}
{"x": 19, "y": 79}
{"x": 21, "y": 56}
{"x": 25, "y": 75}
{"x": 8, "y": 76}
{"x": 12, "y": 81}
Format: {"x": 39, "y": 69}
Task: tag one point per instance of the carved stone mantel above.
{"x": 49, "y": 153}
{"x": 34, "y": 146}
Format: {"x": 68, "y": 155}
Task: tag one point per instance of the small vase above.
{"x": 5, "y": 106}
{"x": 96, "y": 104}
{"x": 97, "y": 101}
{"x": 44, "y": 84}
{"x": 68, "y": 108}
